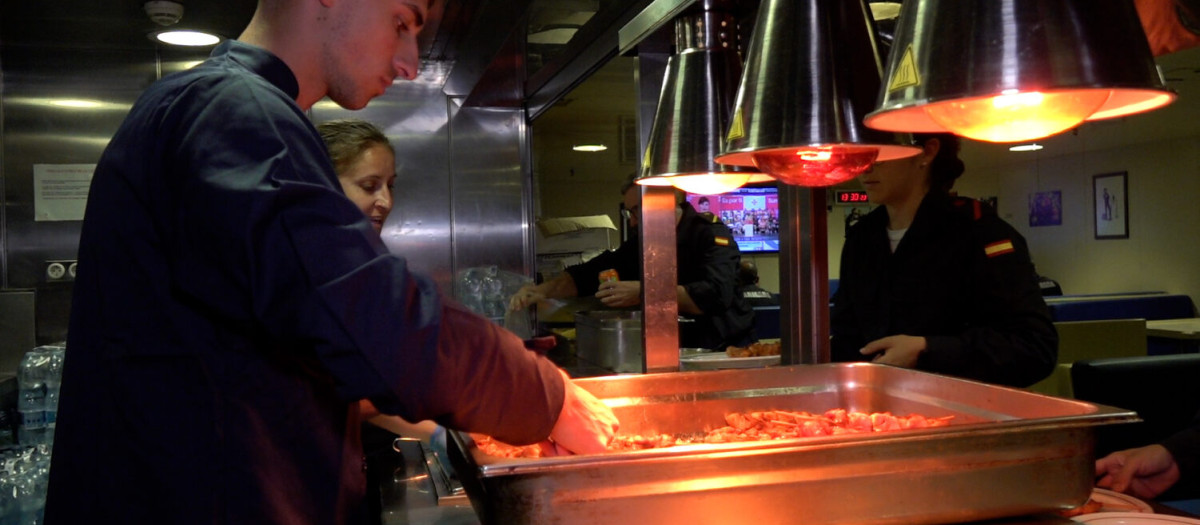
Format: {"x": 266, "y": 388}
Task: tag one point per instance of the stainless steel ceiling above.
{"x": 122, "y": 24}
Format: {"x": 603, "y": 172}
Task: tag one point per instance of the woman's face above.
{"x": 896, "y": 181}
{"x": 368, "y": 183}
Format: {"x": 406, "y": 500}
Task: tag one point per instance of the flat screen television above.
{"x": 751, "y": 212}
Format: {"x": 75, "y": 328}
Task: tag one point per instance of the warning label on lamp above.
{"x": 60, "y": 191}
{"x": 736, "y": 129}
{"x": 906, "y": 74}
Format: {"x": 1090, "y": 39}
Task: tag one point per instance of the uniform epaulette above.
{"x": 710, "y": 217}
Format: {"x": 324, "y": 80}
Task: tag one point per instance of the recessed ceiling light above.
{"x": 1026, "y": 147}
{"x": 590, "y": 148}
{"x": 187, "y": 38}
{"x": 75, "y": 103}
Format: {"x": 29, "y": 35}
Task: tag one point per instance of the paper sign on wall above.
{"x": 60, "y": 191}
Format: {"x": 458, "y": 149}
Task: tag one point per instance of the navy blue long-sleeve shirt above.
{"x": 232, "y": 306}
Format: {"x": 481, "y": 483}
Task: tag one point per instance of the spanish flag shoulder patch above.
{"x": 721, "y": 241}
{"x": 998, "y": 248}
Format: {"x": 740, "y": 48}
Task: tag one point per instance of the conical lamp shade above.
{"x": 1016, "y": 70}
{"x": 694, "y": 109}
{"x": 812, "y": 72}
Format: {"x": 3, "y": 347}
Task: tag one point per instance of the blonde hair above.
{"x": 346, "y": 139}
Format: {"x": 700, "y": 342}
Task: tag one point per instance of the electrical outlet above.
{"x": 60, "y": 271}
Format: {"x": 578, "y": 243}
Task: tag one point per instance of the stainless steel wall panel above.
{"x": 488, "y": 185}
{"x": 38, "y": 132}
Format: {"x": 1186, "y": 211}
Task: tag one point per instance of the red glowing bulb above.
{"x": 816, "y": 166}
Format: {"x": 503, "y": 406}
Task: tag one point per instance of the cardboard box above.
{"x": 576, "y": 235}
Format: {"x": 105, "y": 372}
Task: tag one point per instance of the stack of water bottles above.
{"x": 25, "y": 468}
{"x": 24, "y": 472}
{"x": 38, "y": 379}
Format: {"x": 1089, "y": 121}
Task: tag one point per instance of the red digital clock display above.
{"x": 850, "y": 197}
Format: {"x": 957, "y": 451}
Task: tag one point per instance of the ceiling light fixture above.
{"x": 1026, "y": 147}
{"x": 1016, "y": 70}
{"x": 187, "y": 38}
{"x": 75, "y": 103}
{"x": 806, "y": 87}
{"x": 694, "y": 108}
{"x": 589, "y": 148}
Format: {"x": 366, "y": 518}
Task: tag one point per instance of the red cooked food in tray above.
{"x": 748, "y": 426}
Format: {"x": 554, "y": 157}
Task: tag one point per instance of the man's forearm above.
{"x": 686, "y": 304}
{"x": 561, "y": 286}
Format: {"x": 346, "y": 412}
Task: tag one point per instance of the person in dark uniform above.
{"x": 939, "y": 283}
{"x": 707, "y": 261}
{"x": 749, "y": 288}
{"x": 232, "y": 306}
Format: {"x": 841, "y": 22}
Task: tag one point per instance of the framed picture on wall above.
{"x": 1111, "y": 205}
{"x": 1045, "y": 208}
{"x": 627, "y": 132}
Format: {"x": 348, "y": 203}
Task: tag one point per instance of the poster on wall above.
{"x": 1111, "y": 205}
{"x": 1045, "y": 208}
{"x": 60, "y": 191}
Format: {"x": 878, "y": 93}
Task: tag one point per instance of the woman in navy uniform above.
{"x": 939, "y": 283}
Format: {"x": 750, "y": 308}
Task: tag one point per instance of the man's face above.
{"x": 704, "y": 206}
{"x": 374, "y": 42}
{"x": 632, "y": 200}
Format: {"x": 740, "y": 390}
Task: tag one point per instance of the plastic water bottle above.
{"x": 54, "y": 364}
{"x": 26, "y": 489}
{"x": 32, "y": 406}
{"x": 31, "y": 396}
{"x": 9, "y": 506}
{"x": 8, "y": 436}
{"x": 51, "y": 415}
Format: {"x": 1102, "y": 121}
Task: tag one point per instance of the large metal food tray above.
{"x": 1008, "y": 452}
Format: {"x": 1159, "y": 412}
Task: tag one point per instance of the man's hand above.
{"x": 620, "y": 294}
{"x": 1144, "y": 472}
{"x": 527, "y": 295}
{"x": 896, "y": 350}
{"x": 585, "y": 425}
